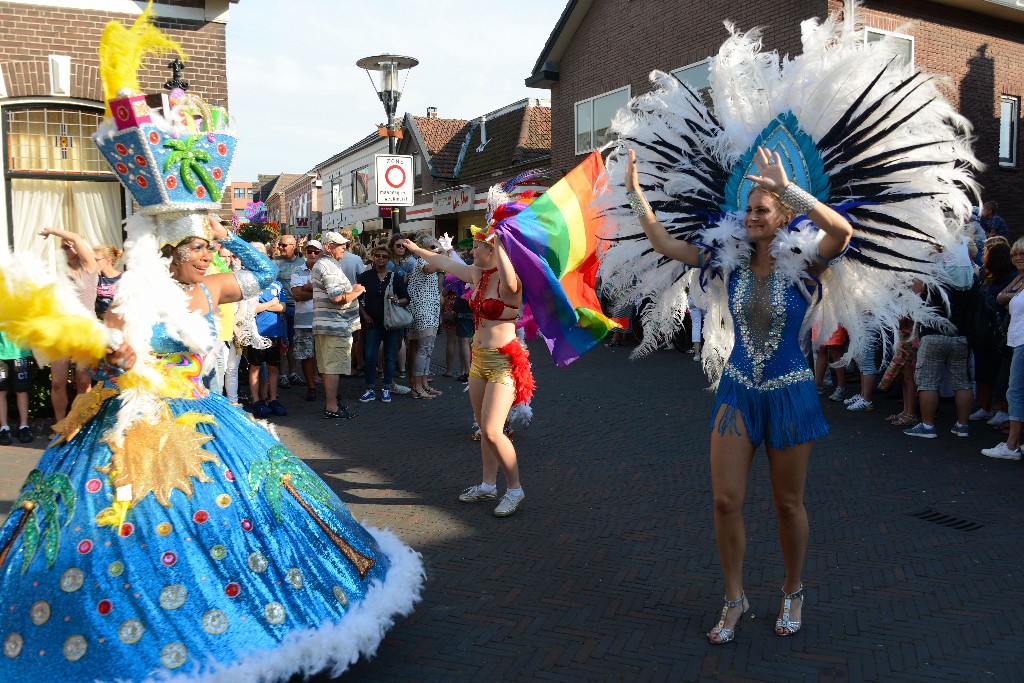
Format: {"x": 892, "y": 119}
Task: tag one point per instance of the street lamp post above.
{"x": 389, "y": 92}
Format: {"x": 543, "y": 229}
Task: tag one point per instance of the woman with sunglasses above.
{"x": 376, "y": 281}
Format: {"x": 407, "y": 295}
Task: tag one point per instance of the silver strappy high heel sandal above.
{"x": 783, "y": 625}
{"x": 724, "y": 634}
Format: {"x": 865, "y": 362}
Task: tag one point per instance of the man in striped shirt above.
{"x": 335, "y": 318}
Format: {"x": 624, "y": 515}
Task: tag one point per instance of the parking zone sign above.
{"x": 394, "y": 179}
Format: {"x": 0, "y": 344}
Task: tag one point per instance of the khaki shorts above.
{"x": 333, "y": 354}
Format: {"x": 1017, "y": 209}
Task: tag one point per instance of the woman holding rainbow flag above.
{"x": 541, "y": 248}
{"x": 499, "y": 372}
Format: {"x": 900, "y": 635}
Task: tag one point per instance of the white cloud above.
{"x": 298, "y": 98}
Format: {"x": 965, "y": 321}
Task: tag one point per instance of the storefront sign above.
{"x": 454, "y": 201}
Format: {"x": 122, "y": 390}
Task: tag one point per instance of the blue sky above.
{"x": 297, "y": 96}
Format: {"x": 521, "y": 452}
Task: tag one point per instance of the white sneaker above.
{"x": 999, "y": 419}
{"x": 477, "y": 493}
{"x": 508, "y": 504}
{"x": 401, "y": 389}
{"x": 980, "y": 414}
{"x": 696, "y": 357}
{"x": 837, "y": 395}
{"x": 853, "y": 399}
{"x": 860, "y": 405}
{"x": 1002, "y": 452}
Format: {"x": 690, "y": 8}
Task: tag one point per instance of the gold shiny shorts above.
{"x": 491, "y": 365}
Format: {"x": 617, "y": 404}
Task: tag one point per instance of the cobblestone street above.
{"x": 609, "y": 570}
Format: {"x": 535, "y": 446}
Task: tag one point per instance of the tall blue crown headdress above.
{"x": 172, "y": 151}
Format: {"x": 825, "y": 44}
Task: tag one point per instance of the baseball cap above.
{"x": 334, "y": 238}
{"x": 316, "y": 244}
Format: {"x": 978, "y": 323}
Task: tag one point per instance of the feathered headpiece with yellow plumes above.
{"x": 123, "y": 49}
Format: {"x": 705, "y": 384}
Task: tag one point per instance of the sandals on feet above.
{"x": 783, "y": 625}
{"x": 418, "y": 393}
{"x": 720, "y": 635}
{"x": 906, "y": 420}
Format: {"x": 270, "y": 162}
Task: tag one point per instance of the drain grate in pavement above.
{"x": 945, "y": 519}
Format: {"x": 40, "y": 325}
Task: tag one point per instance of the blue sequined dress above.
{"x": 766, "y": 380}
{"x": 228, "y": 560}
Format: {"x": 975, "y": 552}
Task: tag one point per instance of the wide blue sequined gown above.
{"x": 249, "y": 567}
{"x": 766, "y": 380}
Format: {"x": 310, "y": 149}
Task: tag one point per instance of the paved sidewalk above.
{"x": 609, "y": 570}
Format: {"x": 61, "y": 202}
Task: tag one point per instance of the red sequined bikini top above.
{"x": 488, "y": 308}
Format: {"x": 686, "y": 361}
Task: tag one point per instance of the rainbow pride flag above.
{"x": 553, "y": 245}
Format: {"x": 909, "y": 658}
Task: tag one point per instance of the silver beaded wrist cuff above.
{"x": 638, "y": 203}
{"x": 247, "y": 284}
{"x": 798, "y": 199}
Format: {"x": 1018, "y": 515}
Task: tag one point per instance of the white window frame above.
{"x": 704, "y": 92}
{"x": 337, "y": 194}
{"x": 353, "y": 175}
{"x": 893, "y": 34}
{"x": 590, "y": 101}
{"x": 1014, "y": 123}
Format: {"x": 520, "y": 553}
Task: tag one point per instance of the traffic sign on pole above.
{"x": 394, "y": 179}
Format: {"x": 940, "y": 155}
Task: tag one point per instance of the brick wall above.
{"x": 30, "y": 33}
{"x": 983, "y": 58}
{"x": 620, "y": 42}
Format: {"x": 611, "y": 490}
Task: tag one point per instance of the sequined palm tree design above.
{"x": 40, "y": 520}
{"x": 190, "y": 165}
{"x": 282, "y": 470}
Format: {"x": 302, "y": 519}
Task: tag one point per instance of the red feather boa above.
{"x": 520, "y": 358}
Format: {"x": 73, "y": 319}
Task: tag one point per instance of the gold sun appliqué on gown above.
{"x": 84, "y": 408}
{"x": 161, "y": 457}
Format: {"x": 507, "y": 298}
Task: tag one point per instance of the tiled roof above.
{"x": 278, "y": 182}
{"x": 515, "y": 137}
{"x": 443, "y": 140}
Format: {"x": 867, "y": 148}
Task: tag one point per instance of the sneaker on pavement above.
{"x": 477, "y": 493}
{"x": 999, "y": 419}
{"x": 852, "y": 399}
{"x": 368, "y": 396}
{"x": 401, "y": 389}
{"x": 5, "y": 437}
{"x": 1002, "y": 452}
{"x": 296, "y": 380}
{"x": 508, "y": 504}
{"x": 385, "y": 395}
{"x": 277, "y": 408}
{"x": 960, "y": 430}
{"x": 261, "y": 410}
{"x": 921, "y": 430}
{"x": 980, "y": 414}
{"x": 25, "y": 435}
{"x": 696, "y": 357}
{"x": 282, "y": 381}
{"x": 837, "y": 395}
{"x": 860, "y": 406}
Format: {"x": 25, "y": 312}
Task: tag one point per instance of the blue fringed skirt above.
{"x": 784, "y": 417}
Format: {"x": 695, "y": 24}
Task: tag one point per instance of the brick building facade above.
{"x": 602, "y": 51}
{"x": 50, "y": 92}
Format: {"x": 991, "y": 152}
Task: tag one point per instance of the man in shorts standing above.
{"x": 335, "y": 318}
{"x": 16, "y": 375}
{"x": 302, "y": 342}
{"x": 286, "y": 262}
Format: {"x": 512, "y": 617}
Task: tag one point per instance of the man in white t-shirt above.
{"x": 352, "y": 266}
{"x": 302, "y": 343}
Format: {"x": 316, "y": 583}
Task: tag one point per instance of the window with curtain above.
{"x": 58, "y": 178}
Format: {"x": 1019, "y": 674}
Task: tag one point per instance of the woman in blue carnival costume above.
{"x": 165, "y": 533}
{"x": 828, "y": 180}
